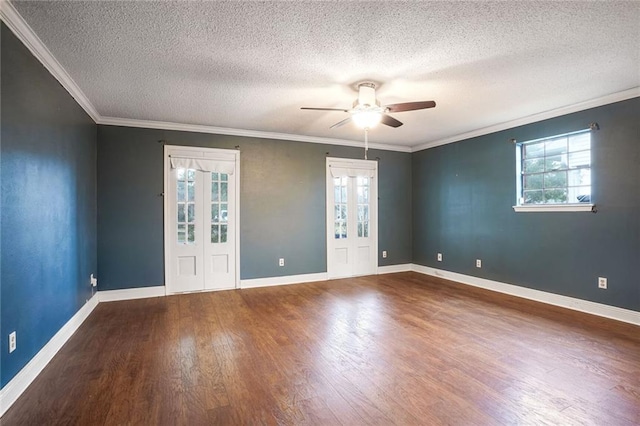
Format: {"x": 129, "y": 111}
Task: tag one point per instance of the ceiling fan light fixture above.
{"x": 366, "y": 119}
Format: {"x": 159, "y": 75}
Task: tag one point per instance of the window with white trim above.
{"x": 555, "y": 171}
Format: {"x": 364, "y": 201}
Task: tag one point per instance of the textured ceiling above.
{"x": 252, "y": 65}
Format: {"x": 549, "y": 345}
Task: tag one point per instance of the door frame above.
{"x": 212, "y": 154}
{"x": 349, "y": 163}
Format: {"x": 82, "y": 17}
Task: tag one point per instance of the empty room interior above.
{"x": 327, "y": 213}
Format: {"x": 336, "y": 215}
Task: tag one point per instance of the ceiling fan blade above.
{"x": 341, "y": 123}
{"x": 410, "y": 106}
{"x": 326, "y": 109}
{"x": 390, "y": 121}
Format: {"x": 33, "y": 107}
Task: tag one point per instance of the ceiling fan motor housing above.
{"x": 366, "y": 96}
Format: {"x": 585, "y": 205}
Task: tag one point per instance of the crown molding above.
{"x": 164, "y": 125}
{"x": 10, "y": 16}
{"x": 581, "y": 106}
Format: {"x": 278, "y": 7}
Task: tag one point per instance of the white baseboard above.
{"x": 599, "y": 309}
{"x": 132, "y": 293}
{"x": 392, "y": 269}
{"x": 289, "y": 279}
{"x": 10, "y": 393}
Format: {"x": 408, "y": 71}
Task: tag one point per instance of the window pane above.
{"x": 360, "y": 213}
{"x": 533, "y": 166}
{"x": 223, "y": 233}
{"x": 191, "y": 190}
{"x": 534, "y": 150}
{"x": 214, "y": 176}
{"x": 555, "y": 146}
{"x": 181, "y": 190}
{"x": 191, "y": 213}
{"x": 343, "y": 212}
{"x": 223, "y": 192}
{"x": 337, "y": 215}
{"x": 580, "y": 159}
{"x": 555, "y": 196}
{"x": 191, "y": 233}
{"x": 343, "y": 229}
{"x": 223, "y": 212}
{"x": 361, "y": 194}
{"x": 214, "y": 213}
{"x": 579, "y": 177}
{"x": 366, "y": 229}
{"x": 180, "y": 212}
{"x": 556, "y": 162}
{"x": 580, "y": 142}
{"x": 580, "y": 194}
{"x": 214, "y": 191}
{"x": 180, "y": 174}
{"x": 533, "y": 181}
{"x": 336, "y": 194}
{"x": 343, "y": 197}
{"x": 214, "y": 233}
{"x": 555, "y": 180}
{"x": 182, "y": 233}
{"x": 224, "y": 177}
{"x": 366, "y": 194}
{"x": 336, "y": 229}
{"x": 533, "y": 197}
{"x": 191, "y": 174}
{"x": 360, "y": 231}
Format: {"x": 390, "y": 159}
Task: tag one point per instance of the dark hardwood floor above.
{"x": 389, "y": 349}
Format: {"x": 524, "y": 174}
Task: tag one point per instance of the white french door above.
{"x": 201, "y": 219}
{"x": 352, "y": 217}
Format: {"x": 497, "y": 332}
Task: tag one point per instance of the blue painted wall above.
{"x": 48, "y": 216}
{"x": 282, "y": 198}
{"x": 463, "y": 195}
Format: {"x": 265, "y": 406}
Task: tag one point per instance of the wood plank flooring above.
{"x": 391, "y": 349}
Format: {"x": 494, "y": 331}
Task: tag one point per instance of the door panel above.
{"x": 351, "y": 218}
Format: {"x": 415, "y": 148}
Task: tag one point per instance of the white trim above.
{"x": 132, "y": 293}
{"x": 284, "y": 280}
{"x": 12, "y": 391}
{"x": 198, "y": 128}
{"x": 581, "y": 106}
{"x": 10, "y": 16}
{"x": 582, "y": 207}
{"x": 599, "y": 309}
{"x": 392, "y": 269}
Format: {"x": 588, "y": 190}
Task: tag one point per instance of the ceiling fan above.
{"x": 367, "y": 111}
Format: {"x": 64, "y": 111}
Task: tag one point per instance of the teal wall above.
{"x": 463, "y": 195}
{"x": 282, "y": 204}
{"x": 48, "y": 198}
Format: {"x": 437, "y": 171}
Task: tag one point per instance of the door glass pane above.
{"x": 223, "y": 233}
{"x": 362, "y": 187}
{"x": 214, "y": 233}
{"x": 340, "y": 207}
{"x": 185, "y": 207}
{"x": 223, "y": 192}
{"x": 182, "y": 234}
{"x": 219, "y": 207}
{"x": 214, "y": 191}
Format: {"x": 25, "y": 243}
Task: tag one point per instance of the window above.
{"x": 186, "y": 197}
{"x": 555, "y": 172}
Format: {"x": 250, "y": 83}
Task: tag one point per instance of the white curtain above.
{"x": 203, "y": 164}
{"x": 337, "y": 171}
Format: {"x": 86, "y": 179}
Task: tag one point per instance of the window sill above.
{"x": 581, "y": 207}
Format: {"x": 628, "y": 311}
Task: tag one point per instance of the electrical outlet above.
{"x": 12, "y": 342}
{"x": 439, "y": 257}
{"x": 478, "y": 263}
{"x": 602, "y": 282}
{"x": 94, "y": 281}
{"x": 281, "y": 261}
{"x": 384, "y": 254}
